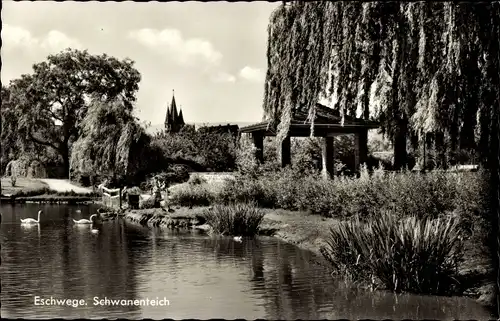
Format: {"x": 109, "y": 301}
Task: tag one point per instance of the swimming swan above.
{"x": 31, "y": 220}
{"x": 237, "y": 238}
{"x": 85, "y": 221}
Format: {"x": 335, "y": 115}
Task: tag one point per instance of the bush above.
{"x": 414, "y": 255}
{"x": 13, "y": 180}
{"x": 205, "y": 149}
{"x": 246, "y": 163}
{"x": 193, "y": 195}
{"x": 471, "y": 202}
{"x": 175, "y": 174}
{"x": 148, "y": 203}
{"x": 238, "y": 219}
{"x": 197, "y": 179}
{"x": 405, "y": 193}
{"x": 246, "y": 188}
{"x": 134, "y": 190}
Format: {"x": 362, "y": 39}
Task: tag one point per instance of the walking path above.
{"x": 64, "y": 185}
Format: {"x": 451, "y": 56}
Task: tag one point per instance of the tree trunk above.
{"x": 64, "y": 151}
{"x": 400, "y": 154}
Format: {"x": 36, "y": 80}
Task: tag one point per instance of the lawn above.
{"x": 23, "y": 184}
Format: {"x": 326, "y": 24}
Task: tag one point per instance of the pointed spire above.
{"x": 174, "y": 108}
{"x": 181, "y": 118}
{"x": 168, "y": 117}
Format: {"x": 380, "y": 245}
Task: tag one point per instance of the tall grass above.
{"x": 427, "y": 195}
{"x": 238, "y": 219}
{"x": 418, "y": 255}
{"x": 193, "y": 195}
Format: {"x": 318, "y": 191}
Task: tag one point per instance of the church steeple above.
{"x": 173, "y": 121}
{"x": 173, "y": 107}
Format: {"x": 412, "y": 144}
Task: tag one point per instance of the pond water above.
{"x": 201, "y": 277}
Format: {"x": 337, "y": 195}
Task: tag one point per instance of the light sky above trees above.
{"x": 212, "y": 54}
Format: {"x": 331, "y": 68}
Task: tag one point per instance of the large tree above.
{"x": 53, "y": 100}
{"x": 112, "y": 143}
{"x": 418, "y": 68}
{"x": 432, "y": 70}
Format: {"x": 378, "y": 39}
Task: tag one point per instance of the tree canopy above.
{"x": 51, "y": 103}
{"x": 112, "y": 143}
{"x": 423, "y": 68}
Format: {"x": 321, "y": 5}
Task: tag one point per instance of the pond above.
{"x": 192, "y": 275}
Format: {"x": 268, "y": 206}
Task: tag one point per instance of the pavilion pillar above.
{"x": 258, "y": 141}
{"x": 360, "y": 149}
{"x": 328, "y": 154}
{"x": 286, "y": 158}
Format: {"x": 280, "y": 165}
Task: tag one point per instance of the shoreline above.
{"x": 50, "y": 199}
{"x": 308, "y": 232}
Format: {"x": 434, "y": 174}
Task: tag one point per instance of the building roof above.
{"x": 326, "y": 121}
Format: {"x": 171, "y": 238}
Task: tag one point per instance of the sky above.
{"x": 212, "y": 54}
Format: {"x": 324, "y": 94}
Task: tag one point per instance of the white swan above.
{"x": 84, "y": 221}
{"x": 31, "y": 220}
{"x": 237, "y": 238}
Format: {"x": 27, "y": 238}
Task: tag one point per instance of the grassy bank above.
{"x": 23, "y": 186}
{"x": 156, "y": 217}
{"x": 306, "y": 208}
{"x": 50, "y": 199}
{"x": 311, "y": 232}
{"x": 28, "y": 189}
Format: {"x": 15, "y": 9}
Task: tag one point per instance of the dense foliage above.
{"x": 200, "y": 150}
{"x": 46, "y": 108}
{"x": 427, "y": 70}
{"x": 404, "y": 194}
{"x": 112, "y": 143}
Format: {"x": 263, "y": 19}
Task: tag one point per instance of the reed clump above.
{"x": 237, "y": 219}
{"x": 419, "y": 255}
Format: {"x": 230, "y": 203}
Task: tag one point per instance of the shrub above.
{"x": 420, "y": 194}
{"x": 176, "y": 174}
{"x": 242, "y": 219}
{"x": 148, "y": 203}
{"x": 197, "y": 179}
{"x": 246, "y": 188}
{"x": 206, "y": 149}
{"x": 471, "y": 203}
{"x": 13, "y": 180}
{"x": 193, "y": 195}
{"x": 134, "y": 190}
{"x": 246, "y": 163}
{"x": 414, "y": 255}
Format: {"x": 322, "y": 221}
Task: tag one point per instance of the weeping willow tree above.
{"x": 112, "y": 143}
{"x": 425, "y": 70}
{"x": 428, "y": 71}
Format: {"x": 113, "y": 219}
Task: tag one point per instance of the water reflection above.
{"x": 203, "y": 277}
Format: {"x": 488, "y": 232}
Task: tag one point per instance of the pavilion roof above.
{"x": 327, "y": 121}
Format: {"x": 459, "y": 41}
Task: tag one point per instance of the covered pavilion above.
{"x": 327, "y": 124}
